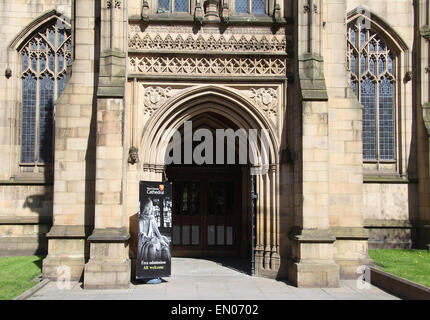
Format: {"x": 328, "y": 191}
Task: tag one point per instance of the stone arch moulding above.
{"x": 192, "y": 103}
{"x": 393, "y": 39}
{"x": 45, "y": 18}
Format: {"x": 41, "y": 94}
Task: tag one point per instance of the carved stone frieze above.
{"x": 208, "y": 66}
{"x": 209, "y": 43}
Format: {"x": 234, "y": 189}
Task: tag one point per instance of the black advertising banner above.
{"x": 155, "y": 230}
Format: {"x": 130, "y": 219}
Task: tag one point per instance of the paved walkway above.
{"x": 194, "y": 279}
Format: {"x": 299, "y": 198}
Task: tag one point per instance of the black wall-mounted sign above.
{"x": 155, "y": 230}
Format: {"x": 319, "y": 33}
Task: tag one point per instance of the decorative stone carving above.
{"x": 113, "y": 3}
{"x": 8, "y": 73}
{"x": 425, "y": 32}
{"x": 408, "y": 76}
{"x": 208, "y": 66}
{"x": 154, "y": 97}
{"x": 133, "y": 155}
{"x": 307, "y": 8}
{"x": 219, "y": 43}
{"x": 266, "y": 99}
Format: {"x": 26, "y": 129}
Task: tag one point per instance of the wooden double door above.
{"x": 206, "y": 211}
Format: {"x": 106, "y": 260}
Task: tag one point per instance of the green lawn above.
{"x": 413, "y": 265}
{"x": 16, "y": 274}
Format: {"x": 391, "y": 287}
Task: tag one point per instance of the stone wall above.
{"x": 25, "y": 197}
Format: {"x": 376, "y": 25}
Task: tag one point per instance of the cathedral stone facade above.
{"x": 340, "y": 87}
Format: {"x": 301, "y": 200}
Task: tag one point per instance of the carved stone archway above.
{"x": 192, "y": 104}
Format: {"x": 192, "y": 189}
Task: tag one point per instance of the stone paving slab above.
{"x": 201, "y": 279}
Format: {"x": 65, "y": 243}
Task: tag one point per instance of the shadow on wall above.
{"x": 42, "y": 204}
{"x": 412, "y": 170}
{"x": 290, "y": 163}
{"x": 90, "y": 155}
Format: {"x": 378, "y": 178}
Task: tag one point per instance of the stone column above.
{"x": 267, "y": 255}
{"x": 312, "y": 255}
{"x": 73, "y": 201}
{"x": 259, "y": 248}
{"x": 345, "y": 149}
{"x": 275, "y": 257}
{"x": 109, "y": 264}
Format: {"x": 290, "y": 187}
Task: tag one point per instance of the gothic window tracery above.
{"x": 372, "y": 65}
{"x": 45, "y": 57}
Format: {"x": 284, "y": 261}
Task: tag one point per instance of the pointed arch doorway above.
{"x": 211, "y": 207}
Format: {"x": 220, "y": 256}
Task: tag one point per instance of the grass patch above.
{"x": 413, "y": 265}
{"x": 16, "y": 274}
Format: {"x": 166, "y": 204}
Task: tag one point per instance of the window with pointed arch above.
{"x": 373, "y": 79}
{"x": 45, "y": 57}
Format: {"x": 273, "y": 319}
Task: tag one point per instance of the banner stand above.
{"x": 155, "y": 231}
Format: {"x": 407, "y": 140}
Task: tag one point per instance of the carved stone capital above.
{"x": 116, "y": 4}
{"x": 157, "y": 168}
{"x": 425, "y": 32}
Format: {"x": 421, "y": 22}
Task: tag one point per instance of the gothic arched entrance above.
{"x": 212, "y": 207}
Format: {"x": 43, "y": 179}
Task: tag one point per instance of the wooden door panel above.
{"x": 206, "y": 211}
{"x": 187, "y": 213}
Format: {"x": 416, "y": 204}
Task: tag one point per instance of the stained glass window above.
{"x": 373, "y": 81}
{"x": 181, "y": 5}
{"x": 45, "y": 57}
{"x": 164, "y": 6}
{"x": 241, "y": 6}
{"x": 256, "y": 6}
{"x": 177, "y": 5}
